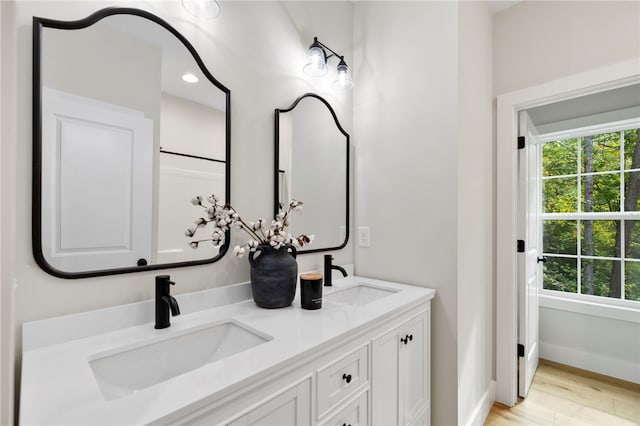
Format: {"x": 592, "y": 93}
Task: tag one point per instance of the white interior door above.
{"x": 529, "y": 271}
{"x": 97, "y": 208}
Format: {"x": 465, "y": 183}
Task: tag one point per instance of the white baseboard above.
{"x": 482, "y": 409}
{"x": 597, "y": 363}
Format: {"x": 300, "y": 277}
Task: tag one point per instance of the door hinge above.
{"x": 520, "y": 350}
{"x": 520, "y": 246}
{"x": 521, "y": 142}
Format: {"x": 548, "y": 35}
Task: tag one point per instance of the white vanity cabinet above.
{"x": 400, "y": 374}
{"x": 379, "y": 378}
{"x": 357, "y": 361}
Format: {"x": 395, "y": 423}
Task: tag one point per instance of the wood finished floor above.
{"x": 562, "y": 395}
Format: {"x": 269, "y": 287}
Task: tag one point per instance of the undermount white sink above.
{"x": 360, "y": 294}
{"x": 125, "y": 370}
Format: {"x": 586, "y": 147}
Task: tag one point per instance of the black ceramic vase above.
{"x": 274, "y": 273}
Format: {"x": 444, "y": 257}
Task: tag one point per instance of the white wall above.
{"x": 539, "y": 41}
{"x": 603, "y": 345}
{"x": 102, "y": 49}
{"x": 262, "y": 68}
{"x": 475, "y": 209}
{"x": 7, "y": 215}
{"x": 536, "y": 42}
{"x": 406, "y": 135}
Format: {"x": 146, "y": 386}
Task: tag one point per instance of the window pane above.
{"x": 601, "y": 153}
{"x": 633, "y": 235}
{"x": 560, "y": 236}
{"x": 632, "y": 281}
{"x": 630, "y": 145}
{"x": 560, "y": 195}
{"x": 560, "y": 158}
{"x": 601, "y": 193}
{"x": 598, "y": 237}
{"x": 560, "y": 274}
{"x": 631, "y": 179}
{"x": 596, "y": 277}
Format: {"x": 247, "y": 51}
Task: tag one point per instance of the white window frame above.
{"x": 627, "y": 310}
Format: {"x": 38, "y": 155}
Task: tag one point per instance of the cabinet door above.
{"x": 385, "y": 375}
{"x": 414, "y": 361}
{"x": 291, "y": 407}
{"x": 400, "y": 375}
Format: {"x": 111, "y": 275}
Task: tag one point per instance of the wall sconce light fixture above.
{"x": 317, "y": 65}
{"x": 206, "y": 9}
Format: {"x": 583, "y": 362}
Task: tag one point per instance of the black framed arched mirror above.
{"x": 128, "y": 125}
{"x": 312, "y": 165}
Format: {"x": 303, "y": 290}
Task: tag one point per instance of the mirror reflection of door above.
{"x": 131, "y": 63}
{"x": 98, "y": 197}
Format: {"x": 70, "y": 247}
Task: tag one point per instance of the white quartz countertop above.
{"x": 59, "y": 387}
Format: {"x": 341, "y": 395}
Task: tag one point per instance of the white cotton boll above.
{"x": 238, "y": 251}
{"x": 197, "y": 200}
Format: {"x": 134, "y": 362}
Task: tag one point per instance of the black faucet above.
{"x": 328, "y": 267}
{"x": 164, "y": 302}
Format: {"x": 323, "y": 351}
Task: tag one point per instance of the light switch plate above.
{"x": 364, "y": 237}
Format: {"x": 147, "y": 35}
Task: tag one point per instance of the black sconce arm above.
{"x": 334, "y": 53}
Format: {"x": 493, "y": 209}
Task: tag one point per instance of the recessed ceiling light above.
{"x": 190, "y": 78}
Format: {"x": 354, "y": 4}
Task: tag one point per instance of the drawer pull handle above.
{"x": 346, "y": 378}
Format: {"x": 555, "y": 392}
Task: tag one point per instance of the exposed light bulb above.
{"x": 317, "y": 65}
{"x": 343, "y": 80}
{"x": 206, "y": 9}
{"x": 190, "y": 78}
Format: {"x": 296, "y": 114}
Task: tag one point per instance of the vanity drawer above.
{"x": 340, "y": 378}
{"x": 354, "y": 414}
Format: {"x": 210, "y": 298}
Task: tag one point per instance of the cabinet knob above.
{"x": 410, "y": 337}
{"x": 346, "y": 378}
